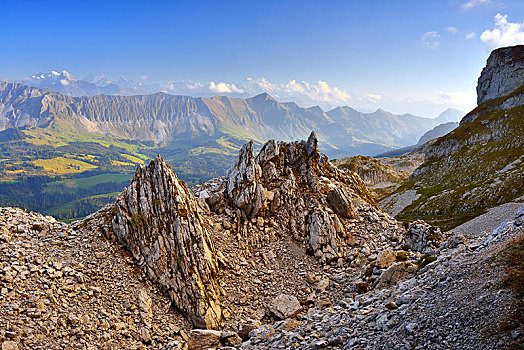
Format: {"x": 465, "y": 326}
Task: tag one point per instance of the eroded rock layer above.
{"x": 312, "y": 201}
{"x": 157, "y": 220}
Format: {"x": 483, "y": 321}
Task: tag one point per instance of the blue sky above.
{"x": 404, "y": 56}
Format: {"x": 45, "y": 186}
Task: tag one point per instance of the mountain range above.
{"x": 161, "y": 117}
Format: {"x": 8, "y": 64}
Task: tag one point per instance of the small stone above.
{"x": 311, "y": 278}
{"x": 9, "y": 345}
{"x": 247, "y": 326}
{"x": 323, "y": 285}
{"x": 145, "y": 336}
{"x": 230, "y": 338}
{"x": 391, "y": 305}
{"x": 203, "y": 339}
{"x": 100, "y": 255}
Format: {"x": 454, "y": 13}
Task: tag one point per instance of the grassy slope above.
{"x": 484, "y": 168}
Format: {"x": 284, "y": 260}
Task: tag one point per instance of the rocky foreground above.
{"x": 286, "y": 251}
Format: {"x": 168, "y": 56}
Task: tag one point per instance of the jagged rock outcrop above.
{"x": 156, "y": 218}
{"x": 504, "y": 73}
{"x": 312, "y": 200}
{"x": 244, "y": 186}
{"x": 422, "y": 237}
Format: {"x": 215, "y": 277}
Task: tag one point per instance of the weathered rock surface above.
{"x": 65, "y": 288}
{"x": 422, "y": 237}
{"x": 311, "y": 200}
{"x": 284, "y": 306}
{"x": 503, "y": 73}
{"x": 157, "y": 220}
{"x": 203, "y": 339}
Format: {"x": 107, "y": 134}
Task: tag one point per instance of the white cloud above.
{"x": 224, "y": 88}
{"x": 373, "y": 98}
{"x": 431, "y": 40}
{"x": 452, "y": 30}
{"x": 474, "y": 3}
{"x": 458, "y": 98}
{"x": 470, "y": 35}
{"x": 143, "y": 77}
{"x": 505, "y": 33}
{"x": 64, "y": 82}
{"x": 293, "y": 86}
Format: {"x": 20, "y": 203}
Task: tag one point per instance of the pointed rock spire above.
{"x": 157, "y": 220}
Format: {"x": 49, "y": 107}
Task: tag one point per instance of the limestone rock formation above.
{"x": 156, "y": 218}
{"x": 311, "y": 200}
{"x": 504, "y": 73}
{"x": 422, "y": 236}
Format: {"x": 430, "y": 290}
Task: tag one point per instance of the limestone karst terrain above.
{"x": 287, "y": 251}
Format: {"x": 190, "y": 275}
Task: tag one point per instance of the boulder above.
{"x": 395, "y": 273}
{"x": 284, "y": 306}
{"x": 386, "y": 258}
{"x": 340, "y": 203}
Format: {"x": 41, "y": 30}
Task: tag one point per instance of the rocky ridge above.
{"x": 286, "y": 217}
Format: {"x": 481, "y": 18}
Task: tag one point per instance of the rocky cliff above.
{"x": 479, "y": 164}
{"x": 504, "y": 73}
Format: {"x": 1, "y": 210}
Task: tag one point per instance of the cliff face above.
{"x": 481, "y": 163}
{"x": 504, "y": 73}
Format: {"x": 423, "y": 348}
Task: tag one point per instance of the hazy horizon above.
{"x": 408, "y": 57}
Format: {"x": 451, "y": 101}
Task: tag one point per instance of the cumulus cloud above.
{"x": 504, "y": 34}
{"x": 474, "y": 3}
{"x": 470, "y": 35}
{"x": 64, "y": 82}
{"x": 321, "y": 91}
{"x": 452, "y": 30}
{"x": 431, "y": 40}
{"x": 224, "y": 88}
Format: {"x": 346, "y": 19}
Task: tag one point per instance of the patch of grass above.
{"x": 425, "y": 260}
{"x": 62, "y": 165}
{"x": 402, "y": 256}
